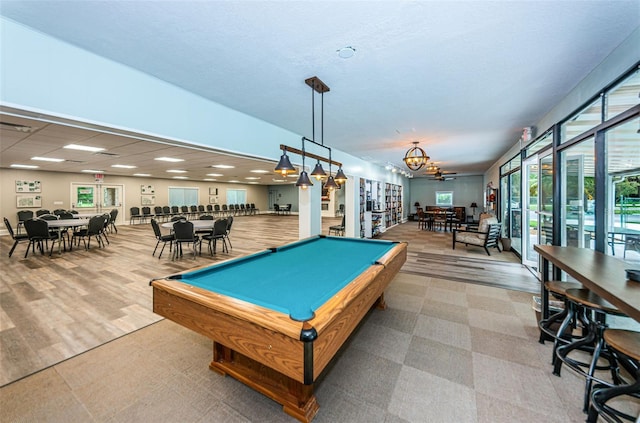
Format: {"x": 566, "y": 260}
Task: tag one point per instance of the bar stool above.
{"x": 549, "y": 326}
{"x": 592, "y": 311}
{"x": 625, "y": 345}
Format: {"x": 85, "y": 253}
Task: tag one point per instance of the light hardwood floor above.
{"x": 80, "y": 343}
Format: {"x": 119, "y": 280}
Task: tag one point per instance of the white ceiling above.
{"x": 461, "y": 77}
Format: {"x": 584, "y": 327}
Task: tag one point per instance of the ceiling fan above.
{"x": 439, "y": 175}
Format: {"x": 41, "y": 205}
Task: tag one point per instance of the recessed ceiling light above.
{"x": 234, "y": 181}
{"x": 169, "y": 159}
{"x": 209, "y": 179}
{"x": 176, "y": 171}
{"x": 83, "y": 148}
{"x": 215, "y": 174}
{"x": 260, "y": 171}
{"x": 252, "y": 177}
{"x": 223, "y": 166}
{"x": 23, "y": 166}
{"x": 92, "y": 171}
{"x": 346, "y": 52}
{"x": 124, "y": 166}
{"x": 141, "y": 174}
{"x": 279, "y": 180}
{"x": 254, "y": 183}
{"x": 47, "y": 159}
{"x": 180, "y": 177}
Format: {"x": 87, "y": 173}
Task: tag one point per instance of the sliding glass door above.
{"x": 537, "y": 206}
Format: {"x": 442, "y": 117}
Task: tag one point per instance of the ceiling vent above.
{"x": 102, "y": 153}
{"x": 19, "y": 128}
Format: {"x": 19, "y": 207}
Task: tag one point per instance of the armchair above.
{"x": 487, "y": 235}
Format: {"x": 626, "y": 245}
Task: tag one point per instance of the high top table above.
{"x": 605, "y": 275}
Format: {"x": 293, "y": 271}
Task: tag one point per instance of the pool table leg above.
{"x": 380, "y": 303}
{"x": 297, "y": 399}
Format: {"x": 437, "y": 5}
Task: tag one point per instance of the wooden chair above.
{"x": 487, "y": 235}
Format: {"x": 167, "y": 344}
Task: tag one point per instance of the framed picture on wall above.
{"x": 213, "y": 199}
{"x": 147, "y": 189}
{"x": 444, "y": 198}
{"x": 148, "y": 200}
{"x": 28, "y": 186}
{"x": 28, "y": 201}
{"x": 213, "y": 191}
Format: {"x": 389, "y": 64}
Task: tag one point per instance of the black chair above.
{"x": 193, "y": 212}
{"x": 38, "y": 232}
{"x": 58, "y": 212}
{"x": 41, "y": 212}
{"x": 105, "y": 227}
{"x": 17, "y": 238}
{"x": 340, "y": 210}
{"x": 161, "y": 238}
{"x": 243, "y": 210}
{"x": 229, "y": 224}
{"x": 276, "y": 207}
{"x": 146, "y": 213}
{"x": 183, "y": 233}
{"x": 209, "y": 208}
{"x": 113, "y": 215}
{"x": 94, "y": 229}
{"x": 338, "y": 229}
{"x": 206, "y": 231}
{"x": 219, "y": 233}
{"x": 166, "y": 211}
{"x": 216, "y": 209}
{"x": 64, "y": 215}
{"x": 23, "y": 216}
{"x": 158, "y": 212}
{"x": 201, "y": 210}
{"x": 134, "y": 213}
{"x": 254, "y": 210}
{"x": 224, "y": 209}
{"x": 175, "y": 211}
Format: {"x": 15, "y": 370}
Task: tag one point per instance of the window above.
{"x": 183, "y": 196}
{"x": 236, "y": 196}
{"x": 444, "y": 198}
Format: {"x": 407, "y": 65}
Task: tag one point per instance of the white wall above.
{"x": 56, "y": 187}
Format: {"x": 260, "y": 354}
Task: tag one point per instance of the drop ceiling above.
{"x": 460, "y": 77}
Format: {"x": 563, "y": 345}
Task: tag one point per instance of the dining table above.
{"x": 198, "y": 224}
{"x": 603, "y": 274}
{"x": 60, "y": 224}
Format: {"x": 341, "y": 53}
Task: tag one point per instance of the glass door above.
{"x": 537, "y": 206}
{"x": 97, "y": 198}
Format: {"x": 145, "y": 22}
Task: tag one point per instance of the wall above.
{"x": 56, "y": 187}
{"x": 466, "y": 190}
{"x": 283, "y": 195}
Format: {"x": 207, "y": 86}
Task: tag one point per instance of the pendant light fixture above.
{"x": 284, "y": 167}
{"x": 415, "y": 158}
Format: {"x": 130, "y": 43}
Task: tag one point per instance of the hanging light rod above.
{"x": 311, "y": 155}
{"x": 318, "y": 86}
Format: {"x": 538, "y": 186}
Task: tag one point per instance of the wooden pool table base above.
{"x": 297, "y": 399}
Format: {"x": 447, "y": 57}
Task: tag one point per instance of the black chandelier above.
{"x": 285, "y": 167}
{"x": 415, "y": 158}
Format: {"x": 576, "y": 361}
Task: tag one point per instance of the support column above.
{"x": 309, "y": 210}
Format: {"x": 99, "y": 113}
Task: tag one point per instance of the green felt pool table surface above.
{"x": 294, "y": 279}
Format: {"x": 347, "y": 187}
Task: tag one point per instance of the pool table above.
{"x": 279, "y": 316}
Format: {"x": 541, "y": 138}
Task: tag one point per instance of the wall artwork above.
{"x": 148, "y": 200}
{"x": 213, "y": 199}
{"x": 147, "y": 189}
{"x": 28, "y": 186}
{"x": 23, "y": 201}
